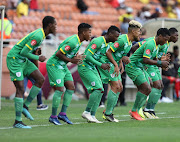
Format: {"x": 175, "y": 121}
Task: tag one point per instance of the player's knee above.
{"x": 20, "y": 91}
{"x": 148, "y": 90}
{"x": 40, "y": 81}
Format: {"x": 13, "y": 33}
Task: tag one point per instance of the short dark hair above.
{"x": 173, "y": 30}
{"x": 83, "y": 26}
{"x": 163, "y": 32}
{"x": 175, "y": 47}
{"x": 113, "y": 28}
{"x": 47, "y": 20}
{"x": 172, "y": 54}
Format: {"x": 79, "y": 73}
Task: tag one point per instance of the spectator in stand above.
{"x": 81, "y": 5}
{"x": 125, "y": 19}
{"x": 157, "y": 13}
{"x": 118, "y": 4}
{"x": 144, "y": 1}
{"x": 22, "y": 8}
{"x": 171, "y": 9}
{"x": 128, "y": 14}
{"x": 33, "y": 5}
{"x": 7, "y": 29}
{"x": 168, "y": 77}
{"x": 12, "y": 4}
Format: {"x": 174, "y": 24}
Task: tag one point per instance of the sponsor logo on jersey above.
{"x": 116, "y": 45}
{"x": 58, "y": 81}
{"x": 93, "y": 46}
{"x": 148, "y": 51}
{"x": 18, "y": 74}
{"x": 33, "y": 42}
{"x": 67, "y": 48}
{"x": 143, "y": 42}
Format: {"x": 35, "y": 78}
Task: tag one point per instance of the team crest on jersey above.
{"x": 18, "y": 74}
{"x": 33, "y": 42}
{"x": 93, "y": 46}
{"x": 113, "y": 75}
{"x": 148, "y": 51}
{"x": 93, "y": 83}
{"x": 152, "y": 74}
{"x": 116, "y": 45}
{"x": 67, "y": 48}
{"x": 58, "y": 81}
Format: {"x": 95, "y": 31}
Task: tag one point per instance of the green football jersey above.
{"x": 145, "y": 40}
{"x": 69, "y": 47}
{"x": 149, "y": 50}
{"x": 120, "y": 48}
{"x": 163, "y": 49}
{"x": 30, "y": 41}
{"x": 98, "y": 48}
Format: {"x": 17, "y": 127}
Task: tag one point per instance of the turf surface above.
{"x": 165, "y": 129}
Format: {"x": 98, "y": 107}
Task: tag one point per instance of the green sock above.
{"x": 93, "y": 97}
{"x": 96, "y": 104}
{"x": 139, "y": 100}
{"x": 33, "y": 93}
{"x": 115, "y": 101}
{"x": 156, "y": 98}
{"x": 110, "y": 102}
{"x": 67, "y": 100}
{"x": 151, "y": 98}
{"x": 18, "y": 108}
{"x": 56, "y": 101}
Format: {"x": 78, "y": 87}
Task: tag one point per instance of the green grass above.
{"x": 165, "y": 129}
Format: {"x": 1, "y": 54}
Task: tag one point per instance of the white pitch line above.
{"x": 4, "y": 128}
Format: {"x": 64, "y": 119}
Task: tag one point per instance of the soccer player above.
{"x": 60, "y": 76}
{"x": 19, "y": 66}
{"x": 115, "y": 53}
{"x": 156, "y": 78}
{"x": 135, "y": 69}
{"x": 89, "y": 74}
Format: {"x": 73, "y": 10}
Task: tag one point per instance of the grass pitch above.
{"x": 165, "y": 129}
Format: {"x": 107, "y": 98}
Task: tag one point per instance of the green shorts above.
{"x": 19, "y": 68}
{"x": 107, "y": 76}
{"x": 57, "y": 77}
{"x": 137, "y": 74}
{"x": 179, "y": 71}
{"x": 90, "y": 78}
{"x": 154, "y": 73}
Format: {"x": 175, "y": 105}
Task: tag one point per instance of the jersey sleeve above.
{"x": 33, "y": 43}
{"x": 148, "y": 49}
{"x": 67, "y": 47}
{"x": 95, "y": 46}
{"x": 116, "y": 45}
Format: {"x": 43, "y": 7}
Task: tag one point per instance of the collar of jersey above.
{"x": 155, "y": 43}
{"x": 78, "y": 39}
{"x": 104, "y": 40}
{"x": 128, "y": 39}
{"x": 43, "y": 33}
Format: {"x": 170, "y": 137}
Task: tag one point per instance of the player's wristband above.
{"x": 159, "y": 63}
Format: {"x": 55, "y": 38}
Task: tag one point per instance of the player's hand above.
{"x": 126, "y": 60}
{"x": 38, "y": 51}
{"x": 42, "y": 58}
{"x": 78, "y": 59}
{"x": 116, "y": 71}
{"x": 166, "y": 57}
{"x": 165, "y": 69}
{"x": 122, "y": 69}
{"x": 105, "y": 66}
{"x": 164, "y": 64}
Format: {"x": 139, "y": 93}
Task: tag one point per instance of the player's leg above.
{"x": 56, "y": 80}
{"x": 139, "y": 78}
{"x": 69, "y": 84}
{"x": 116, "y": 88}
{"x": 16, "y": 74}
{"x": 91, "y": 80}
{"x": 155, "y": 94}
